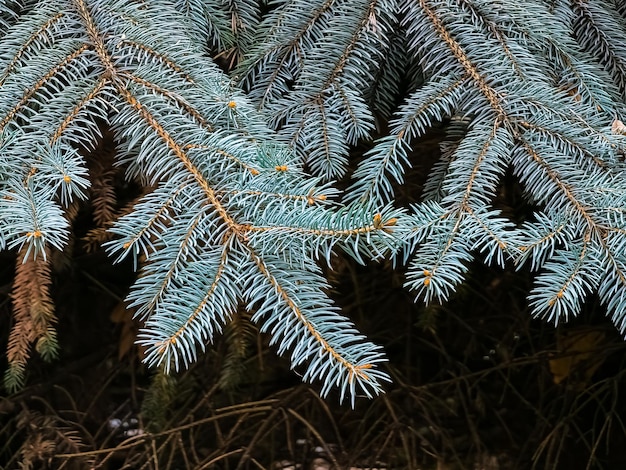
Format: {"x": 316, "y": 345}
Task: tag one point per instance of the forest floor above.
{"x": 477, "y": 384}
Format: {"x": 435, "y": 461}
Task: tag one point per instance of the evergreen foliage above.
{"x": 237, "y": 171}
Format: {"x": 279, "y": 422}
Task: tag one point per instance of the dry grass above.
{"x": 473, "y": 388}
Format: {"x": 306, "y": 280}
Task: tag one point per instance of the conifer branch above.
{"x": 229, "y": 212}
{"x": 33, "y": 313}
{"x": 490, "y": 94}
